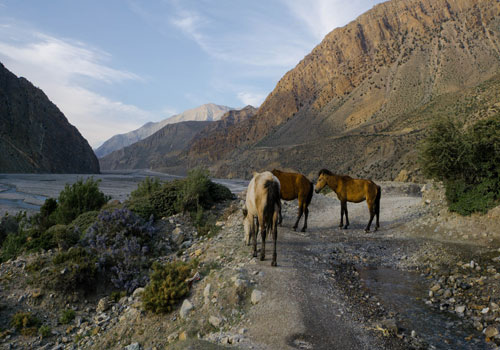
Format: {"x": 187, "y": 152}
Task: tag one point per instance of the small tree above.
{"x": 79, "y": 198}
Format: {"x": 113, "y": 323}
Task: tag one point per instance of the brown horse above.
{"x": 263, "y": 202}
{"x": 293, "y": 186}
{"x": 352, "y": 190}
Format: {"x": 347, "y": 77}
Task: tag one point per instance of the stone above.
{"x": 183, "y": 336}
{"x": 447, "y": 293}
{"x": 491, "y": 331}
{"x": 215, "y": 321}
{"x": 103, "y": 305}
{"x": 256, "y": 296}
{"x": 185, "y": 308}
{"x": 198, "y": 252}
{"x": 390, "y": 325}
{"x": 485, "y": 310}
{"x": 137, "y": 292}
{"x": 435, "y": 287}
{"x": 460, "y": 309}
{"x": 172, "y": 337}
{"x": 133, "y": 346}
{"x": 206, "y": 291}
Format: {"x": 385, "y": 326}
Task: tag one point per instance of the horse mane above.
{"x": 325, "y": 171}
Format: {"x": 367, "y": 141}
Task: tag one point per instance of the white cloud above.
{"x": 322, "y": 16}
{"x": 251, "y": 98}
{"x": 61, "y": 67}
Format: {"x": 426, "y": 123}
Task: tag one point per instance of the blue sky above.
{"x": 113, "y": 65}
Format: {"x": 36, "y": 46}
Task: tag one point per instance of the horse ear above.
{"x": 245, "y": 212}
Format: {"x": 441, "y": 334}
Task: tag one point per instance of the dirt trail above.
{"x": 303, "y": 305}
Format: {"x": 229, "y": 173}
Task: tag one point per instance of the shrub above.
{"x": 84, "y": 221}
{"x": 64, "y": 236}
{"x": 467, "y": 161}
{"x": 25, "y": 323}
{"x": 146, "y": 188}
{"x": 8, "y": 224}
{"x": 67, "y": 316}
{"x": 79, "y": 198}
{"x": 45, "y": 331}
{"x": 124, "y": 242}
{"x": 73, "y": 270}
{"x": 164, "y": 201}
{"x": 167, "y": 286}
{"x": 13, "y": 245}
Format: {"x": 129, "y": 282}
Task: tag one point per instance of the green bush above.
{"x": 45, "y": 331}
{"x": 25, "y": 323}
{"x": 84, "y": 221}
{"x": 73, "y": 270}
{"x": 146, "y": 188}
{"x": 67, "y": 316}
{"x": 8, "y": 224}
{"x": 79, "y": 198}
{"x": 13, "y": 245}
{"x": 167, "y": 286}
{"x": 64, "y": 236}
{"x": 467, "y": 161}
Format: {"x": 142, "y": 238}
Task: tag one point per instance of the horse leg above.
{"x": 275, "y": 238}
{"x": 346, "y": 216}
{"x": 280, "y": 219}
{"x": 306, "y": 213}
{"x": 299, "y": 215}
{"x": 371, "y": 209}
{"x": 341, "y": 214}
{"x": 254, "y": 240}
{"x": 377, "y": 207}
{"x": 263, "y": 248}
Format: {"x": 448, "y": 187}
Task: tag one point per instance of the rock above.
{"x": 215, "y": 321}
{"x": 137, "y": 292}
{"x": 491, "y": 331}
{"x": 390, "y": 325}
{"x": 206, "y": 291}
{"x": 239, "y": 283}
{"x": 198, "y": 252}
{"x": 485, "y": 310}
{"x": 178, "y": 236}
{"x": 447, "y": 293}
{"x": 256, "y": 296}
{"x": 435, "y": 287}
{"x": 185, "y": 308}
{"x": 183, "y": 336}
{"x": 172, "y": 337}
{"x": 242, "y": 330}
{"x": 460, "y": 309}
{"x": 133, "y": 346}
{"x": 103, "y": 305}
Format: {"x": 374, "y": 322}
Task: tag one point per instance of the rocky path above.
{"x": 304, "y": 305}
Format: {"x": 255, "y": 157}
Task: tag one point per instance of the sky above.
{"x": 113, "y": 65}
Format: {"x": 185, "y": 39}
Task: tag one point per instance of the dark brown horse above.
{"x": 352, "y": 190}
{"x": 293, "y": 186}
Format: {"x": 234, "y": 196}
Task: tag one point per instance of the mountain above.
{"x": 363, "y": 98}
{"x": 35, "y": 136}
{"x": 157, "y": 151}
{"x": 206, "y": 112}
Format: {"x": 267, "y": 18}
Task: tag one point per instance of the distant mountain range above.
{"x": 166, "y": 148}
{"x": 206, "y": 112}
{"x": 35, "y": 136}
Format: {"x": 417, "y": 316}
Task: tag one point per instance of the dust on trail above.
{"x": 303, "y": 306}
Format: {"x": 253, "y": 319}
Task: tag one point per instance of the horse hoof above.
{"x": 254, "y": 255}
{"x": 345, "y": 227}
{"x": 367, "y": 230}
{"x": 295, "y": 228}
{"x": 303, "y": 230}
{"x": 274, "y": 263}
{"x": 262, "y": 258}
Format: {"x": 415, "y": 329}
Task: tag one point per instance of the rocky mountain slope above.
{"x": 35, "y": 136}
{"x": 167, "y": 149}
{"x": 156, "y": 151}
{"x": 355, "y": 103}
{"x": 206, "y": 112}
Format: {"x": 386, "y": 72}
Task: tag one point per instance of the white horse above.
{"x": 263, "y": 203}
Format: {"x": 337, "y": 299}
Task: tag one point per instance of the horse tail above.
{"x": 273, "y": 199}
{"x": 377, "y": 200}
{"x": 310, "y": 194}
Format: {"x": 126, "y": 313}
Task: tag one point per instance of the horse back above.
{"x": 293, "y": 185}
{"x": 358, "y": 190}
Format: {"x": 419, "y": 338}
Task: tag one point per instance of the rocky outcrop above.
{"x": 353, "y": 104}
{"x": 35, "y": 136}
{"x": 206, "y": 112}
